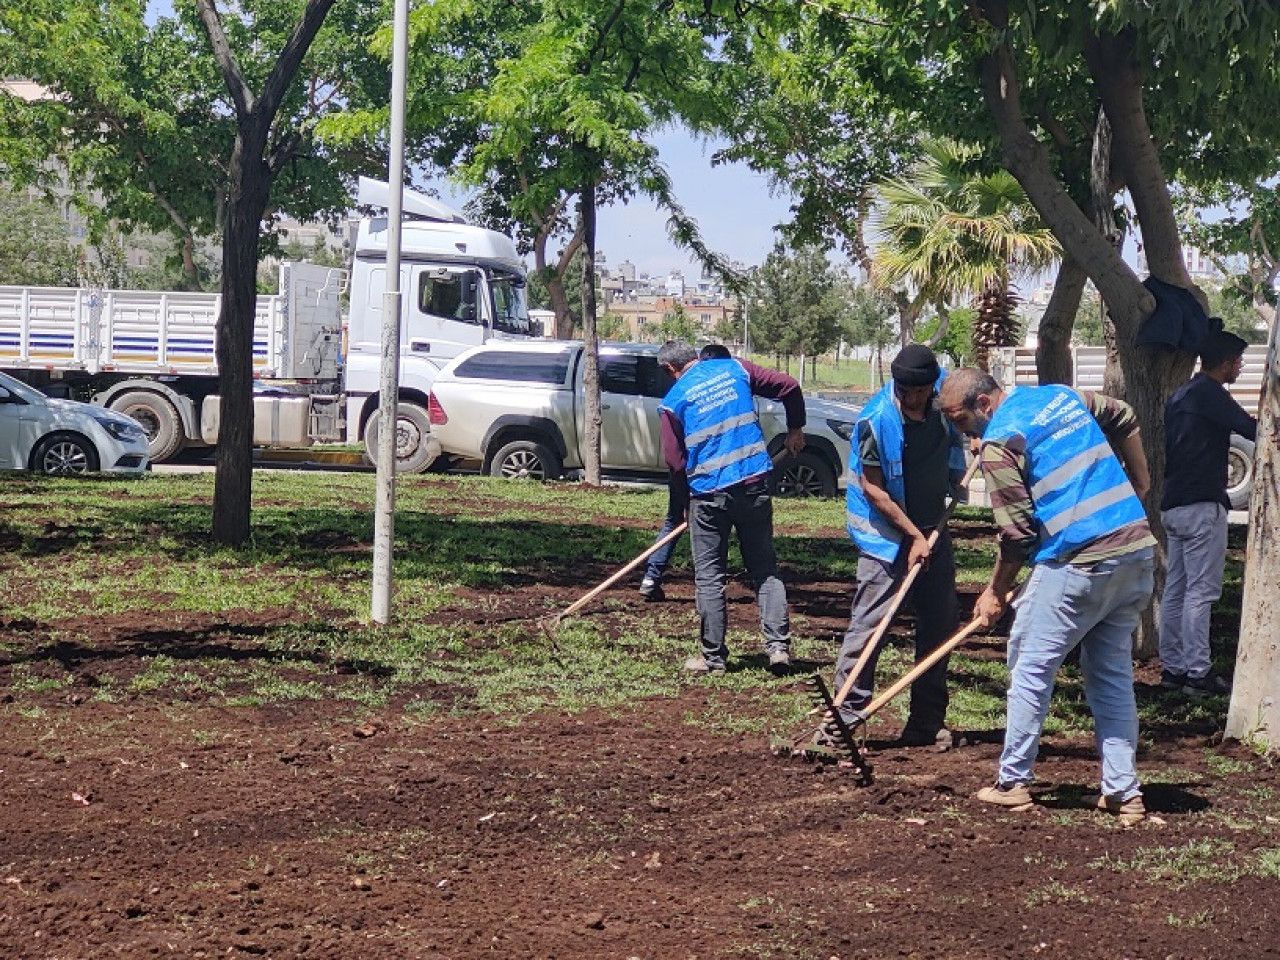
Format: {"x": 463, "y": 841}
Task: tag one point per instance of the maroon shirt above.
{"x": 772, "y": 384}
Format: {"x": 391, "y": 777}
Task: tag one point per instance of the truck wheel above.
{"x": 64, "y": 455}
{"x": 526, "y": 460}
{"x": 1239, "y": 472}
{"x": 804, "y": 475}
{"x": 158, "y": 418}
{"x": 414, "y": 450}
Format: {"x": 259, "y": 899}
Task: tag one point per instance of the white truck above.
{"x": 151, "y": 354}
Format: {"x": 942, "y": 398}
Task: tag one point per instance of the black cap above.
{"x": 1217, "y": 348}
{"x": 914, "y": 366}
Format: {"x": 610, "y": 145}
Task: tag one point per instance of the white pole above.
{"x": 384, "y": 514}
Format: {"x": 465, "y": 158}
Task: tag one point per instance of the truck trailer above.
{"x": 152, "y": 354}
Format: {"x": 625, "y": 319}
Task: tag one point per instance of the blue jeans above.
{"x": 1097, "y": 607}
{"x": 677, "y": 504}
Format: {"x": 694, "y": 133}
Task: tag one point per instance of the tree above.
{"x": 1255, "y": 694}
{"x": 797, "y": 301}
{"x": 948, "y": 230}
{"x": 678, "y": 324}
{"x": 867, "y": 322}
{"x": 612, "y": 326}
{"x": 195, "y": 124}
{"x": 35, "y": 244}
{"x": 1088, "y": 327}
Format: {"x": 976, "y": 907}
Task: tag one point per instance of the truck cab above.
{"x": 461, "y": 286}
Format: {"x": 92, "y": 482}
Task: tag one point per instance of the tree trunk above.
{"x": 190, "y": 273}
{"x": 591, "y": 355}
{"x": 249, "y": 187}
{"x": 1255, "y": 694}
{"x": 1150, "y": 376}
{"x": 1053, "y": 343}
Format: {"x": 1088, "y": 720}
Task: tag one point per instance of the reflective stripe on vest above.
{"x": 1079, "y": 489}
{"x": 870, "y": 531}
{"x": 723, "y": 441}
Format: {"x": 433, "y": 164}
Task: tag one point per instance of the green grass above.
{"x": 283, "y": 619}
{"x": 1195, "y": 861}
{"x": 851, "y": 375}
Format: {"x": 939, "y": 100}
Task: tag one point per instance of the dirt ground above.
{"x": 153, "y": 827}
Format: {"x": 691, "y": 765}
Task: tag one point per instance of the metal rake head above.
{"x": 832, "y": 742}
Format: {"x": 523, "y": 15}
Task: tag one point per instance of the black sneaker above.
{"x": 780, "y": 662}
{"x": 651, "y": 590}
{"x": 1210, "y": 685}
{"x": 1172, "y": 681}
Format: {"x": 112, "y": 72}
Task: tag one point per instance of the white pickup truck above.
{"x": 518, "y": 409}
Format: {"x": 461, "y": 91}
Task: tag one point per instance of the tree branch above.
{"x": 241, "y": 95}
{"x": 283, "y": 150}
{"x": 290, "y": 58}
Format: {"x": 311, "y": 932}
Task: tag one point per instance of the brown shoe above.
{"x": 1128, "y": 812}
{"x": 702, "y": 667}
{"x": 1016, "y": 798}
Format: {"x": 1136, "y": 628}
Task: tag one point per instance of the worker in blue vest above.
{"x": 905, "y": 460}
{"x": 1062, "y": 498}
{"x": 712, "y": 437}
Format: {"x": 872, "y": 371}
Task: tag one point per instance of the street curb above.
{"x": 332, "y": 457}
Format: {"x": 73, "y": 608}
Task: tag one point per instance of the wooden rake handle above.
{"x": 921, "y": 668}
{"x": 650, "y": 551}
{"x": 644, "y": 555}
{"x": 882, "y": 627}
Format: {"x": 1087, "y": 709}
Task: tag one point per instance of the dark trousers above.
{"x": 747, "y": 508}
{"x": 933, "y": 595}
{"x": 677, "y": 505}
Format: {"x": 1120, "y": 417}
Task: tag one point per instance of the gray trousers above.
{"x": 1196, "y": 545}
{"x": 747, "y": 508}
{"x": 933, "y": 595}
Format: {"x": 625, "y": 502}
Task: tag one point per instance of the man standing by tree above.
{"x": 1061, "y": 496}
{"x": 1199, "y": 420}
{"x": 906, "y": 458}
{"x": 712, "y": 436}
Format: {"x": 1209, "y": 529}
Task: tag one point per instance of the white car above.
{"x": 62, "y": 437}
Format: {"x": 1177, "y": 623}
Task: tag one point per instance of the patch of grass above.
{"x": 24, "y": 681}
{"x": 1177, "y": 867}
{"x": 1055, "y": 891}
{"x": 1221, "y": 766}
{"x": 1203, "y": 918}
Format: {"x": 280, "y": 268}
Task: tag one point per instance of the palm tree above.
{"x": 948, "y": 230}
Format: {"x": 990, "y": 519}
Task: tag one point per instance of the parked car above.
{"x": 60, "y": 437}
{"x": 518, "y": 408}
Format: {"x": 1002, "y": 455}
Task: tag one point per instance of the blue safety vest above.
{"x": 722, "y": 435}
{"x": 1079, "y": 489}
{"x": 870, "y": 531}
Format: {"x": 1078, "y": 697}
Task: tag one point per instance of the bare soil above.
{"x": 151, "y": 827}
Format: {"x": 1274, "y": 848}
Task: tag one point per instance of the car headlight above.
{"x": 842, "y": 428}
{"x": 121, "y": 429}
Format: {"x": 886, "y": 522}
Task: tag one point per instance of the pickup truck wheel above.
{"x": 526, "y": 460}
{"x": 805, "y": 475}
{"x": 158, "y": 418}
{"x": 414, "y": 450}
{"x": 1239, "y": 472}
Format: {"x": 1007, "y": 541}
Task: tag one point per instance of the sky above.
{"x": 734, "y": 207}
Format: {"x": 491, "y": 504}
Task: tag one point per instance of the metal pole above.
{"x": 384, "y": 514}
